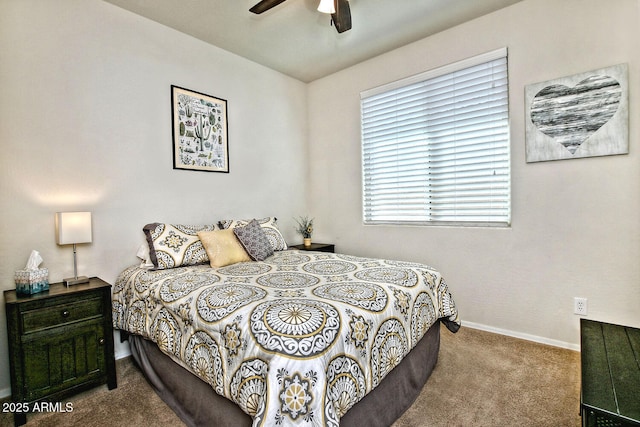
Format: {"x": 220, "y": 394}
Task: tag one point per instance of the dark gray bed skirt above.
{"x": 195, "y": 402}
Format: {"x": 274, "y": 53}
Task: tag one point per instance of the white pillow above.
{"x": 143, "y": 254}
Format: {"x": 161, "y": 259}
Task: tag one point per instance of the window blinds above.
{"x": 436, "y": 146}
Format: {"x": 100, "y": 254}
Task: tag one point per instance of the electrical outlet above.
{"x": 580, "y": 306}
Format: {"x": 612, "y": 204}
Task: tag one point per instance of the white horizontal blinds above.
{"x": 396, "y": 178}
{"x": 436, "y": 147}
{"x": 468, "y": 143}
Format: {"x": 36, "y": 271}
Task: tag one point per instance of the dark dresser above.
{"x": 610, "y": 363}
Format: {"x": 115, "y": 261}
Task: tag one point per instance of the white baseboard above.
{"x": 122, "y": 354}
{"x": 528, "y": 337}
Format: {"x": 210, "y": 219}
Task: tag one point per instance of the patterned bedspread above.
{"x": 295, "y": 340}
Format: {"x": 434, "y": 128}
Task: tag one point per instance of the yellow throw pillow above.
{"x": 222, "y": 247}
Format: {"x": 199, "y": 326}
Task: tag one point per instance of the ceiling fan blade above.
{"x": 342, "y": 18}
{"x": 265, "y": 5}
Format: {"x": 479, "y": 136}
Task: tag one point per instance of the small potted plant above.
{"x": 305, "y": 227}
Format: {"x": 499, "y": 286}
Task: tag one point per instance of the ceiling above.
{"x": 299, "y": 41}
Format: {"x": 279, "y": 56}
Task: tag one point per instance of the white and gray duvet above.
{"x": 294, "y": 340}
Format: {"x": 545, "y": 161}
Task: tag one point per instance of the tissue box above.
{"x": 32, "y": 281}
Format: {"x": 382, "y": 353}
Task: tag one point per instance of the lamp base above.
{"x": 75, "y": 280}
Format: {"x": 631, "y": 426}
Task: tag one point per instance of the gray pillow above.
{"x": 254, "y": 240}
{"x": 268, "y": 224}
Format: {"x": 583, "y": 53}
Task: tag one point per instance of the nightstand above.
{"x": 60, "y": 343}
{"x": 320, "y": 247}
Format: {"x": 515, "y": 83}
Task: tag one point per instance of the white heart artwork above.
{"x": 578, "y": 116}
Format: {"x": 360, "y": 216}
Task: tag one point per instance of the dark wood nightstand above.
{"x": 60, "y": 342}
{"x": 320, "y": 247}
{"x": 610, "y": 374}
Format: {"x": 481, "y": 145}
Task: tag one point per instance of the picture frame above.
{"x": 199, "y": 127}
{"x": 578, "y": 116}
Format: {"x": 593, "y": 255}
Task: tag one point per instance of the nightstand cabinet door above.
{"x": 74, "y": 357}
{"x": 60, "y": 342}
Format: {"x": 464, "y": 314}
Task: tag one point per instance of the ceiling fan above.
{"x": 339, "y": 10}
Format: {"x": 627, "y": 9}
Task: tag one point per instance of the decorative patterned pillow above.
{"x": 223, "y": 248}
{"x": 175, "y": 245}
{"x": 254, "y": 240}
{"x": 269, "y": 225}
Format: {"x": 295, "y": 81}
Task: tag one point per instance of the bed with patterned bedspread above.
{"x": 296, "y": 339}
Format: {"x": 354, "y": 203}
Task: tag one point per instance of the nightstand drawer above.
{"x": 56, "y": 315}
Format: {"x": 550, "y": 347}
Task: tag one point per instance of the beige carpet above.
{"x": 481, "y": 379}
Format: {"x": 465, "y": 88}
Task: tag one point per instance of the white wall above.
{"x": 575, "y": 223}
{"x": 85, "y": 124}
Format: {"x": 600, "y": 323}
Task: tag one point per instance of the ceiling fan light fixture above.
{"x": 327, "y": 6}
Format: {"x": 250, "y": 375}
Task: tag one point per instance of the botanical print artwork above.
{"x": 199, "y": 131}
{"x": 578, "y": 116}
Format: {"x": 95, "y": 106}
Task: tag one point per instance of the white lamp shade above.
{"x": 327, "y": 6}
{"x": 73, "y": 227}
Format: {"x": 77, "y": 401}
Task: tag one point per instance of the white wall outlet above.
{"x": 580, "y": 306}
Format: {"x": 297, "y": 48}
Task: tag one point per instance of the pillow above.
{"x": 254, "y": 240}
{"x": 223, "y": 248}
{"x": 269, "y": 225}
{"x": 143, "y": 254}
{"x": 175, "y": 245}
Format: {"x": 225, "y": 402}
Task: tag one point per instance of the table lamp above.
{"x": 73, "y": 228}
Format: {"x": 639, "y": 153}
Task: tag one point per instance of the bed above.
{"x": 294, "y": 338}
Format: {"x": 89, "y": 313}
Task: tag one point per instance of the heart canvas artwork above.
{"x": 583, "y": 115}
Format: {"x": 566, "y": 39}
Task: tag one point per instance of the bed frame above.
{"x": 197, "y": 404}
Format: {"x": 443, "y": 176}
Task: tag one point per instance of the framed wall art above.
{"x": 578, "y": 116}
{"x": 199, "y": 131}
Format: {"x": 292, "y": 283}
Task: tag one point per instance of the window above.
{"x": 435, "y": 146}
